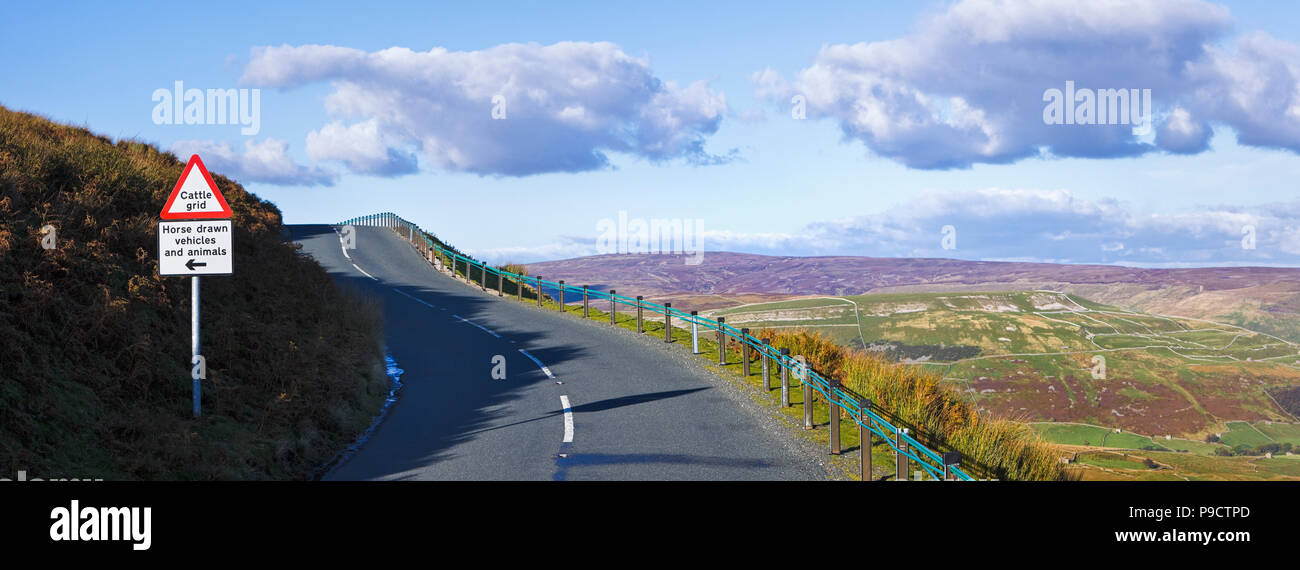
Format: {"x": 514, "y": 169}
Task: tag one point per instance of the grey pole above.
{"x": 807, "y": 396}
{"x": 900, "y": 459}
{"x": 695, "y": 333}
{"x": 639, "y": 327}
{"x": 501, "y": 284}
{"x": 194, "y": 338}
{"x": 864, "y": 440}
{"x": 482, "y": 269}
{"x": 744, "y": 351}
{"x": 785, "y": 378}
{"x": 722, "y": 342}
{"x": 561, "y": 295}
{"x": 539, "y": 290}
{"x": 585, "y": 314}
{"x": 613, "y": 307}
{"x": 519, "y": 287}
{"x": 767, "y": 372}
{"x": 668, "y": 322}
{"x": 835, "y": 416}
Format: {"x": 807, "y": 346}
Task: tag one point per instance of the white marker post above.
{"x": 199, "y": 245}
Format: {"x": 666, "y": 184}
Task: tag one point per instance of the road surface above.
{"x": 580, "y": 401}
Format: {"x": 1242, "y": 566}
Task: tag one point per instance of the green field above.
{"x": 1170, "y": 466}
{"x": 1242, "y": 433}
{"x": 1055, "y": 357}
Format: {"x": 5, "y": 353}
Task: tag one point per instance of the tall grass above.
{"x": 940, "y": 416}
{"x": 516, "y": 268}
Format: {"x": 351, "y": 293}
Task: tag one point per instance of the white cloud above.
{"x": 967, "y": 86}
{"x": 565, "y": 106}
{"x": 361, "y": 147}
{"x": 268, "y": 162}
{"x": 565, "y": 247}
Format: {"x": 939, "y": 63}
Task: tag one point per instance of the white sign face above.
{"x": 200, "y": 247}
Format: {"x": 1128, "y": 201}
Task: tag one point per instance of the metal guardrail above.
{"x": 871, "y": 424}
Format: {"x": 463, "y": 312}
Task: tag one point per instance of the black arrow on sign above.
{"x": 191, "y": 264}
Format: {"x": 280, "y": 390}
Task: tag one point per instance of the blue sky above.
{"x": 919, "y": 115}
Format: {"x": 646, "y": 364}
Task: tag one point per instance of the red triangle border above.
{"x": 189, "y": 169}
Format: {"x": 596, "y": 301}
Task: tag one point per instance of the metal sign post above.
{"x": 194, "y": 339}
{"x": 195, "y": 239}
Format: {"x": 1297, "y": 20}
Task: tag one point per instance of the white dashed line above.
{"x": 539, "y": 363}
{"x": 363, "y": 271}
{"x": 344, "y": 247}
{"x": 481, "y": 327}
{"x": 404, "y": 294}
{"x": 568, "y": 419}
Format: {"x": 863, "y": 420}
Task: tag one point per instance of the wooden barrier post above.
{"x": 950, "y": 460}
{"x": 722, "y": 342}
{"x": 668, "y": 322}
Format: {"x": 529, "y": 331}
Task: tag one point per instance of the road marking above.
{"x": 363, "y": 271}
{"x": 404, "y": 294}
{"x": 539, "y": 363}
{"x": 568, "y": 418}
{"x": 342, "y": 246}
{"x": 481, "y": 327}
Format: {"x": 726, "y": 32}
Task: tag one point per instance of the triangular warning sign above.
{"x": 195, "y": 196}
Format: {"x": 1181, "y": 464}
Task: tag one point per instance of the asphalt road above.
{"x": 635, "y": 412}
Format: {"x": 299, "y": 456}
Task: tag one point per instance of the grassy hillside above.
{"x": 94, "y": 346}
{"x": 1030, "y": 355}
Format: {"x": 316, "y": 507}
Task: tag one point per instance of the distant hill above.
{"x": 1261, "y": 298}
{"x": 94, "y": 345}
{"x": 1032, "y": 356}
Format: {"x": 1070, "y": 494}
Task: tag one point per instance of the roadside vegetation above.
{"x": 996, "y": 447}
{"x": 94, "y": 345}
{"x": 939, "y": 415}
